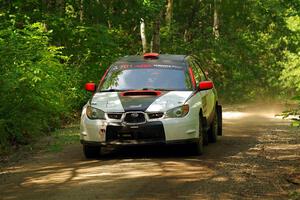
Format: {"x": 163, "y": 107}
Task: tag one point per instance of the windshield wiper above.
{"x": 157, "y": 89}
{"x": 118, "y": 90}
{"x": 111, "y": 90}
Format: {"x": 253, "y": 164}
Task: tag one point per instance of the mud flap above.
{"x": 219, "y": 113}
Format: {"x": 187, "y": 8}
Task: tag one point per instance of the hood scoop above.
{"x": 141, "y": 93}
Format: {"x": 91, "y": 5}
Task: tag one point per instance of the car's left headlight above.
{"x": 178, "y": 112}
{"x": 94, "y": 113}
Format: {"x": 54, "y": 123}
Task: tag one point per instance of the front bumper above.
{"x": 159, "y": 131}
{"x": 138, "y": 142}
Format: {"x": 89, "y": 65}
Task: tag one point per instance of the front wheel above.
{"x": 91, "y": 151}
{"x": 219, "y": 113}
{"x": 198, "y": 146}
{"x": 213, "y": 132}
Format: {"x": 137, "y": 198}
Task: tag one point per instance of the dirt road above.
{"x": 257, "y": 158}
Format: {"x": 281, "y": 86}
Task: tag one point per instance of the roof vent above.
{"x": 141, "y": 93}
{"x": 151, "y": 56}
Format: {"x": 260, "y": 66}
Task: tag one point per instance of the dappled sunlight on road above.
{"x": 240, "y": 115}
{"x": 234, "y": 115}
{"x": 268, "y": 111}
{"x": 107, "y": 171}
{"x": 244, "y": 163}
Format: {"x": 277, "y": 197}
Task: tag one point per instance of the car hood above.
{"x": 116, "y": 102}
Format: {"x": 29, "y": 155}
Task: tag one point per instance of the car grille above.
{"x": 151, "y": 131}
{"x": 134, "y": 118}
{"x": 114, "y": 115}
{"x": 155, "y": 115}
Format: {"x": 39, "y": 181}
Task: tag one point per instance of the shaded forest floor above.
{"x": 257, "y": 158}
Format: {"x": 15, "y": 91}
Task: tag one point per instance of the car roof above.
{"x": 166, "y": 59}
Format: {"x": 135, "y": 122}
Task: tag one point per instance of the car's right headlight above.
{"x": 94, "y": 113}
{"x": 178, "y": 112}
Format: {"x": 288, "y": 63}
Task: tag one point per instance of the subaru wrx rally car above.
{"x": 151, "y": 99}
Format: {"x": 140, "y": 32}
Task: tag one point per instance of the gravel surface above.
{"x": 258, "y": 157}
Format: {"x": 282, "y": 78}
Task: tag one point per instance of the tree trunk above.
{"x": 156, "y": 35}
{"x": 50, "y": 4}
{"x": 143, "y": 35}
{"x": 169, "y": 13}
{"x": 187, "y": 35}
{"x": 60, "y": 4}
{"x": 216, "y": 32}
{"x": 81, "y": 11}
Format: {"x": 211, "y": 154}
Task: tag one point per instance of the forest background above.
{"x": 50, "y": 48}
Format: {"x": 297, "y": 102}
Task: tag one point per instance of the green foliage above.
{"x": 295, "y": 113}
{"x": 290, "y": 74}
{"x": 63, "y": 137}
{"x": 34, "y": 85}
{"x": 49, "y": 49}
{"x": 294, "y": 195}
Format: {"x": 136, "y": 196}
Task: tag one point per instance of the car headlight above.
{"x": 94, "y": 113}
{"x": 178, "y": 112}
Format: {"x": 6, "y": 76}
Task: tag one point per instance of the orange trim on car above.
{"x": 192, "y": 77}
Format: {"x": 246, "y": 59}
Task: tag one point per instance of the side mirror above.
{"x": 205, "y": 85}
{"x": 91, "y": 87}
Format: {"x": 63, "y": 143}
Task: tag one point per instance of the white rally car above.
{"x": 151, "y": 99}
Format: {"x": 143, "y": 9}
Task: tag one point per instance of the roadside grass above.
{"x": 294, "y": 195}
{"x": 294, "y": 179}
{"x": 53, "y": 143}
{"x": 62, "y": 137}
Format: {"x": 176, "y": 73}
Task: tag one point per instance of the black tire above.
{"x": 198, "y": 146}
{"x": 220, "y": 123}
{"x": 205, "y": 130}
{"x": 91, "y": 151}
{"x": 213, "y": 131}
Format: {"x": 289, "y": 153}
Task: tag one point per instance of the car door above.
{"x": 209, "y": 94}
{"x": 202, "y": 95}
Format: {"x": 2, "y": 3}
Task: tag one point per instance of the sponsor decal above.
{"x": 135, "y": 106}
{"x": 168, "y": 66}
{"x": 143, "y": 65}
{"x": 134, "y": 115}
{"x": 146, "y": 65}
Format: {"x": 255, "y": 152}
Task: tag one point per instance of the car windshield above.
{"x": 146, "y": 78}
